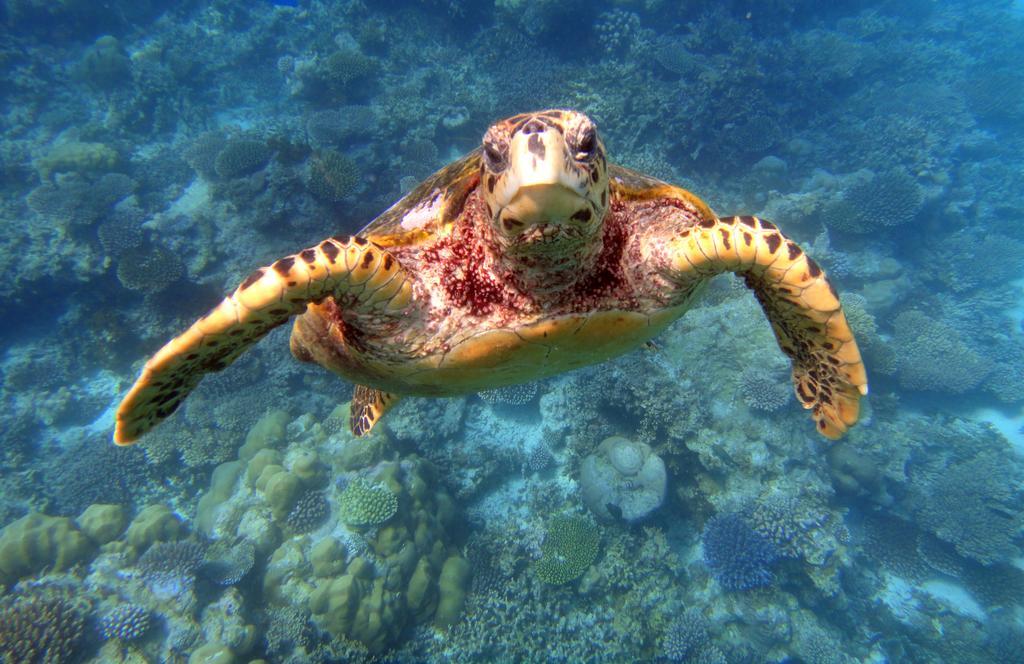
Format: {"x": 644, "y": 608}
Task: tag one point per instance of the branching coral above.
{"x": 226, "y": 563}
{"x": 365, "y": 504}
{"x": 77, "y": 200}
{"x": 334, "y": 127}
{"x": 763, "y": 390}
{"x": 40, "y": 627}
{"x": 684, "y": 636}
{"x": 309, "y": 511}
{"x": 738, "y": 556}
{"x": 170, "y": 568}
{"x": 127, "y": 622}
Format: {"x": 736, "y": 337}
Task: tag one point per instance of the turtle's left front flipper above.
{"x": 353, "y": 270}
{"x": 805, "y": 313}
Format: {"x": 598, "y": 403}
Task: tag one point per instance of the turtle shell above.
{"x": 429, "y": 209}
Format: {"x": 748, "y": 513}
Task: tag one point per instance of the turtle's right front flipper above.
{"x": 353, "y": 270}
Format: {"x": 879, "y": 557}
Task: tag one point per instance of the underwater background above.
{"x": 153, "y": 154}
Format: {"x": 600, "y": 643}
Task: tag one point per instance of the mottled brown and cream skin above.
{"x": 531, "y": 256}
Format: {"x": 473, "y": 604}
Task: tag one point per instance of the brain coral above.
{"x": 570, "y": 546}
{"x": 738, "y": 556}
{"x": 623, "y": 478}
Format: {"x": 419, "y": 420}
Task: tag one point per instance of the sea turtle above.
{"x": 530, "y": 256}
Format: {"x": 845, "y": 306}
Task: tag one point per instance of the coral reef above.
{"x": 152, "y": 155}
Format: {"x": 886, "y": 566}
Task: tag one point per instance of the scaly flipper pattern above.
{"x": 806, "y": 316}
{"x": 368, "y": 406}
{"x": 353, "y": 270}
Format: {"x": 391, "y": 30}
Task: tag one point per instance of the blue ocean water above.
{"x": 674, "y": 503}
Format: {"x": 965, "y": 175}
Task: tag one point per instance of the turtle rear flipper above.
{"x": 801, "y": 305}
{"x": 368, "y": 406}
{"x": 353, "y": 270}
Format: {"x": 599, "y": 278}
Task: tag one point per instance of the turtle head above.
{"x": 545, "y": 182}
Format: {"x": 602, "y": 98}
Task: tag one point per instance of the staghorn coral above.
{"x": 43, "y": 627}
{"x": 362, "y": 503}
{"x": 127, "y": 622}
{"x": 332, "y": 176}
{"x": 570, "y": 546}
{"x": 738, "y": 556}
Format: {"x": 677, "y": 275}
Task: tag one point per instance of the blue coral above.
{"x": 738, "y": 556}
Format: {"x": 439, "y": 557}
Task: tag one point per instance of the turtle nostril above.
{"x": 534, "y": 126}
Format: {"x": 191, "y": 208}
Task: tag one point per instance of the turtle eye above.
{"x": 586, "y": 143}
{"x": 494, "y": 158}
